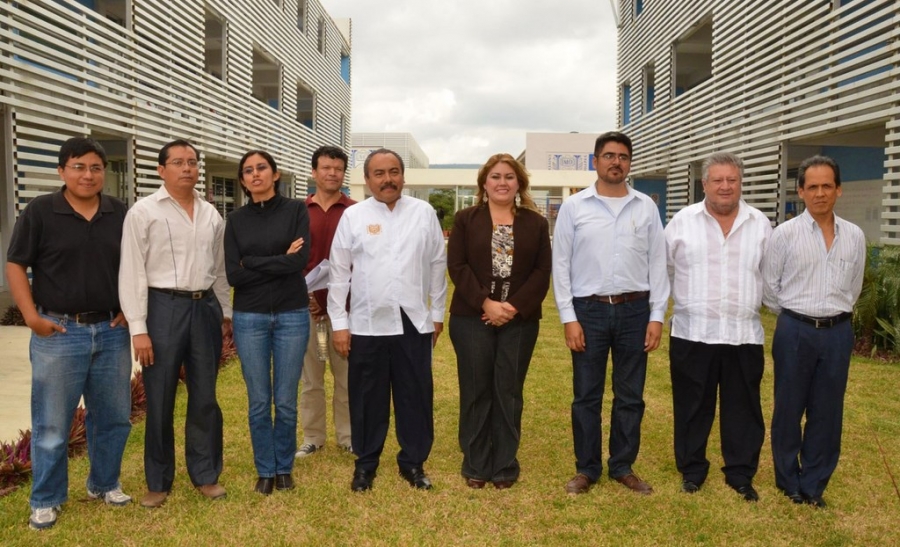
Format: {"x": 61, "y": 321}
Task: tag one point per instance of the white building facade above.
{"x": 229, "y": 75}
{"x": 774, "y": 81}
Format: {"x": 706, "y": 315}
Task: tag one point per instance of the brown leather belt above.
{"x": 618, "y": 298}
{"x": 819, "y": 322}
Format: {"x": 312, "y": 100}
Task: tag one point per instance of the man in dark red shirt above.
{"x": 325, "y": 209}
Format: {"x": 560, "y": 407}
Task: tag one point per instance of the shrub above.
{"x": 876, "y": 321}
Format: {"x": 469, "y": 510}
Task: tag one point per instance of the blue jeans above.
{"x": 271, "y": 347}
{"x": 89, "y": 360}
{"x": 621, "y": 328}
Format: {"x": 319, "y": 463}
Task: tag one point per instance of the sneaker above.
{"x": 43, "y": 518}
{"x": 307, "y": 449}
{"x": 113, "y": 497}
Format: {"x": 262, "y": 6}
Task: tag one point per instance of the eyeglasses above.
{"x": 80, "y": 168}
{"x": 609, "y": 156}
{"x": 261, "y": 168}
{"x": 179, "y": 163}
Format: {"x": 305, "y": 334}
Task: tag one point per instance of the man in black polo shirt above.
{"x": 79, "y": 344}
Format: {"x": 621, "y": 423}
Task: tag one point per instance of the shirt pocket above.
{"x": 841, "y": 273}
{"x": 632, "y": 237}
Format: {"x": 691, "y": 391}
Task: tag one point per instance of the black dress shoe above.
{"x": 689, "y": 487}
{"x": 816, "y": 501}
{"x": 795, "y": 497}
{"x": 362, "y": 480}
{"x": 746, "y": 491}
{"x": 416, "y": 477}
{"x": 284, "y": 482}
{"x": 503, "y": 485}
{"x": 264, "y": 485}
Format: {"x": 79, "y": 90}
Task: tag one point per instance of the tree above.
{"x": 444, "y": 203}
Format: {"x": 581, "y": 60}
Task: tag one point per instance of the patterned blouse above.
{"x": 501, "y": 260}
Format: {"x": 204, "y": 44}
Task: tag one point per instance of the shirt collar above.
{"x": 163, "y": 193}
{"x": 592, "y": 191}
{"x": 62, "y": 206}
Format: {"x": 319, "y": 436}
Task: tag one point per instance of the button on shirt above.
{"x": 598, "y": 252}
{"x": 800, "y": 274}
{"x": 388, "y": 260}
{"x": 163, "y": 248}
{"x": 717, "y": 280}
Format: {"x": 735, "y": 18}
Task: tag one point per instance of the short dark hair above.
{"x": 164, "y": 151}
{"x": 329, "y": 151}
{"x": 816, "y": 161}
{"x": 269, "y": 159}
{"x": 79, "y": 146}
{"x": 612, "y": 136}
{"x": 382, "y": 151}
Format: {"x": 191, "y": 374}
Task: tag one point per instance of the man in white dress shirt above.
{"x": 611, "y": 288}
{"x": 715, "y": 250}
{"x": 812, "y": 273}
{"x": 176, "y": 298}
{"x": 388, "y": 254}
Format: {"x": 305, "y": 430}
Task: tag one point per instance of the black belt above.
{"x": 618, "y": 298}
{"x": 819, "y": 322}
{"x": 82, "y": 318}
{"x": 193, "y": 295}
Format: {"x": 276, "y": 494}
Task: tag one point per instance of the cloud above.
{"x": 470, "y": 78}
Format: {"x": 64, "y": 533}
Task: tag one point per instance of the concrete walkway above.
{"x": 15, "y": 382}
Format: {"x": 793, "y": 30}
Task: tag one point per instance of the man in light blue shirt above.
{"x": 612, "y": 288}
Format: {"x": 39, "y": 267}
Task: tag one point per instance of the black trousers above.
{"x": 188, "y": 332}
{"x": 698, "y": 372}
{"x": 379, "y": 366}
{"x": 491, "y": 364}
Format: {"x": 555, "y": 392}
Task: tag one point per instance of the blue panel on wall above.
{"x": 656, "y": 189}
{"x": 857, "y": 162}
{"x": 345, "y": 68}
{"x": 626, "y": 104}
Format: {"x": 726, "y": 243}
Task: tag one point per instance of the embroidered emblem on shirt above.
{"x": 374, "y": 229}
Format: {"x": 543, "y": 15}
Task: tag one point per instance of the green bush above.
{"x": 876, "y": 320}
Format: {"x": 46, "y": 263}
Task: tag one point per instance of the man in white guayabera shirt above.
{"x": 388, "y": 254}
{"x": 715, "y": 250}
{"x": 813, "y": 273}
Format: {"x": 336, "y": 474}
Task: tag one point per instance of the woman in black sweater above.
{"x": 264, "y": 259}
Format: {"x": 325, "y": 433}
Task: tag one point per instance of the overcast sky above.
{"x": 468, "y": 78}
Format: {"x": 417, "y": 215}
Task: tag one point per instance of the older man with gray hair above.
{"x": 715, "y": 250}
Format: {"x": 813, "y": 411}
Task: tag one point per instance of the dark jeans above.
{"x": 811, "y": 368}
{"x": 621, "y": 328}
{"x": 183, "y": 332}
{"x": 378, "y": 366}
{"x": 491, "y": 363}
{"x": 700, "y": 372}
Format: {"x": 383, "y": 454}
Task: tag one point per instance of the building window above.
{"x": 693, "y": 57}
{"x": 266, "y": 79}
{"x": 626, "y": 104}
{"x": 649, "y": 88}
{"x": 301, "y": 15}
{"x": 322, "y": 35}
{"x": 222, "y": 194}
{"x": 345, "y": 65}
{"x": 638, "y": 7}
{"x": 214, "y": 52}
{"x": 306, "y": 106}
{"x": 117, "y": 11}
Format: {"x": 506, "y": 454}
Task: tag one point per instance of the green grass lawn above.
{"x": 864, "y": 505}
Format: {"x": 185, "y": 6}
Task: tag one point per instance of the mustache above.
{"x": 387, "y": 185}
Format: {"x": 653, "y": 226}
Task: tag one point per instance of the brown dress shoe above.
{"x": 503, "y": 485}
{"x": 475, "y": 483}
{"x": 212, "y": 491}
{"x": 579, "y": 484}
{"x": 152, "y": 500}
{"x": 635, "y": 483}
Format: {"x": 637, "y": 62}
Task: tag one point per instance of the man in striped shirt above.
{"x": 714, "y": 254}
{"x": 812, "y": 274}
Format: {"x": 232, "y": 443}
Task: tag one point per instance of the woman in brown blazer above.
{"x": 499, "y": 260}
